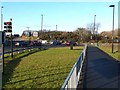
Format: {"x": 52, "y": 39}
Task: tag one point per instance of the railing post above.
{"x": 69, "y": 84}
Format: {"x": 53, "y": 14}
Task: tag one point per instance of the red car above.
{"x": 68, "y": 43}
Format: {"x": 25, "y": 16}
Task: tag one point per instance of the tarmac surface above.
{"x": 0, "y": 76}
{"x": 102, "y": 71}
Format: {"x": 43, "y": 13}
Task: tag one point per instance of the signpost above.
{"x": 35, "y": 34}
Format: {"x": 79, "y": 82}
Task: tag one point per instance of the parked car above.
{"x": 21, "y": 43}
{"x": 71, "y": 42}
{"x": 55, "y": 42}
{"x": 36, "y": 43}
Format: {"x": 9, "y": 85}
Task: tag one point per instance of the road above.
{"x": 8, "y": 48}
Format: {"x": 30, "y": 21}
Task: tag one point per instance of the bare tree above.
{"x": 91, "y": 27}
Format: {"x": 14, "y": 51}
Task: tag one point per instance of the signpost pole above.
{"x": 11, "y": 42}
{"x": 3, "y": 51}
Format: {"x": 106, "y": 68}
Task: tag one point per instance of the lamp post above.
{"x": 56, "y": 27}
{"x": 94, "y": 23}
{"x": 41, "y": 22}
{"x": 1, "y": 18}
{"x": 94, "y": 35}
{"x": 2, "y": 39}
{"x": 113, "y": 6}
{"x": 41, "y": 32}
{"x": 29, "y": 35}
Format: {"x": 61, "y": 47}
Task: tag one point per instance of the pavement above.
{"x": 102, "y": 71}
{"x": 0, "y": 76}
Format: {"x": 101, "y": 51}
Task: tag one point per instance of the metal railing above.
{"x": 20, "y": 50}
{"x": 0, "y": 76}
{"x": 74, "y": 75}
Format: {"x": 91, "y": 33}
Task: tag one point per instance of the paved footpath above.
{"x": 102, "y": 71}
{"x": 0, "y": 76}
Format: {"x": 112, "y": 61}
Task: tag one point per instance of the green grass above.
{"x": 107, "y": 48}
{"x": 43, "y": 69}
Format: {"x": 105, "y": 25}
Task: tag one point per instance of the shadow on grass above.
{"x": 12, "y": 64}
{"x": 54, "y": 71}
{"x": 115, "y": 51}
{"x": 77, "y": 49}
{"x": 38, "y": 81}
{"x": 41, "y": 70}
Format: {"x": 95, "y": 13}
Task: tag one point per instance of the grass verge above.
{"x": 107, "y": 48}
{"x": 44, "y": 69}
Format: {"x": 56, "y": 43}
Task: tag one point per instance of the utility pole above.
{"x": 56, "y": 27}
{"x": 29, "y": 35}
{"x": 41, "y": 22}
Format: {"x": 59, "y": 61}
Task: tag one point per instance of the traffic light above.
{"x": 7, "y": 23}
{"x": 8, "y": 26}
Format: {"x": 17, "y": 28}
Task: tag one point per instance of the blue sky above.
{"x": 67, "y": 15}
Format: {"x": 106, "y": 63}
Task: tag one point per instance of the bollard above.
{"x": 71, "y": 46}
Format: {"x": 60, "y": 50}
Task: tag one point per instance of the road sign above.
{"x": 27, "y": 33}
{"x": 35, "y": 34}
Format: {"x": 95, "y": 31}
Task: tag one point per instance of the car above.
{"x": 68, "y": 43}
{"x": 36, "y": 43}
{"x": 21, "y": 43}
{"x": 71, "y": 42}
{"x": 55, "y": 42}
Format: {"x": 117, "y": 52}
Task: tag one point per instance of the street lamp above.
{"x": 94, "y": 28}
{"x": 113, "y": 6}
{"x": 41, "y": 22}
{"x": 29, "y": 35}
{"x": 2, "y": 40}
{"x": 1, "y": 18}
{"x": 94, "y": 23}
{"x": 56, "y": 27}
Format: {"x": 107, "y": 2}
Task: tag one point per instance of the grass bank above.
{"x": 43, "y": 69}
{"x": 107, "y": 48}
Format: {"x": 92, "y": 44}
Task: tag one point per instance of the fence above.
{"x": 20, "y": 50}
{"x": 74, "y": 75}
{"x": 0, "y": 76}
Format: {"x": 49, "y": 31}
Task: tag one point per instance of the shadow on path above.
{"x": 102, "y": 71}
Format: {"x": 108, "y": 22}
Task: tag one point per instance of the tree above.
{"x": 82, "y": 34}
{"x": 91, "y": 27}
